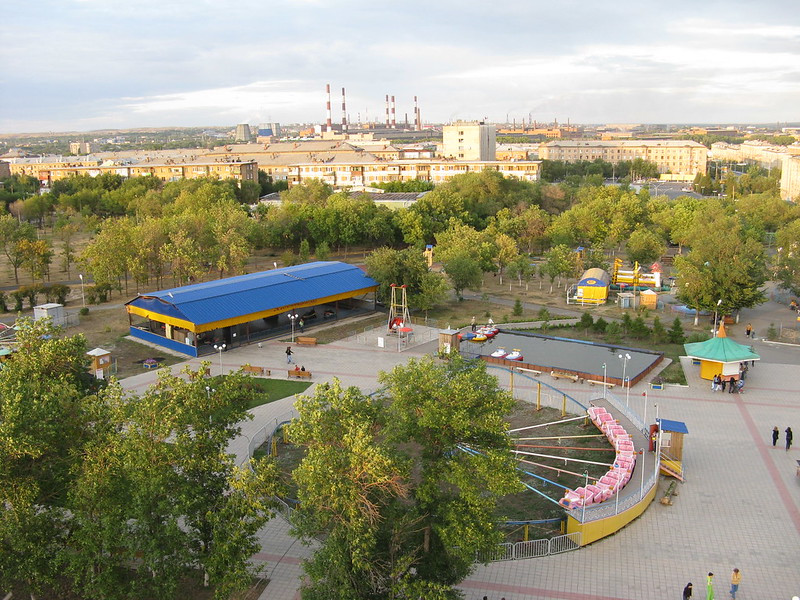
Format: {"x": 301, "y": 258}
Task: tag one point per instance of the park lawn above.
{"x": 269, "y": 390}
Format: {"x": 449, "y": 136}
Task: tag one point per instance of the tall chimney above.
{"x": 387, "y": 111}
{"x": 417, "y": 124}
{"x": 329, "y": 122}
{"x": 394, "y": 121}
{"x": 344, "y": 113}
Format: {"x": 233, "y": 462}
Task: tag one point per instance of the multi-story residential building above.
{"x": 753, "y": 151}
{"x": 469, "y": 140}
{"x": 682, "y": 158}
{"x": 790, "y": 178}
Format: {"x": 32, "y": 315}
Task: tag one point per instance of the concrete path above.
{"x": 740, "y": 505}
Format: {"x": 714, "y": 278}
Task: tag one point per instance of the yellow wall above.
{"x": 595, "y": 530}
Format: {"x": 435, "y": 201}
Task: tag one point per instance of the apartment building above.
{"x": 680, "y": 157}
{"x": 790, "y": 178}
{"x": 469, "y": 140}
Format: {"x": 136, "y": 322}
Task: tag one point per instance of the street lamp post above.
{"x": 716, "y": 310}
{"x": 83, "y": 297}
{"x": 220, "y": 348}
{"x": 293, "y": 316}
{"x": 605, "y": 387}
{"x": 625, "y": 358}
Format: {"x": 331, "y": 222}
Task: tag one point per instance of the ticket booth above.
{"x": 672, "y": 435}
{"x": 100, "y": 366}
{"x": 448, "y": 341}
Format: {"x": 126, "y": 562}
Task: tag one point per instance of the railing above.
{"x": 531, "y": 548}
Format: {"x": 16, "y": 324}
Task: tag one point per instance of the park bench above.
{"x": 559, "y": 374}
{"x": 307, "y": 341}
{"x": 299, "y": 374}
{"x": 608, "y": 384}
{"x": 524, "y": 370}
{"x": 254, "y": 370}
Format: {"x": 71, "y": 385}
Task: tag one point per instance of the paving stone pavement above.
{"x": 739, "y": 507}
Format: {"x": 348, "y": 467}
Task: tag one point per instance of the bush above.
{"x": 772, "y": 333}
{"x": 289, "y": 258}
{"x": 600, "y": 325}
{"x": 19, "y": 298}
{"x": 3, "y": 306}
{"x": 84, "y": 311}
{"x": 697, "y": 337}
{"x": 517, "y": 311}
{"x": 586, "y": 320}
{"x": 323, "y": 251}
{"x": 613, "y": 332}
{"x": 543, "y": 314}
{"x": 305, "y": 251}
{"x": 675, "y": 334}
{"x": 639, "y": 329}
{"x": 659, "y": 332}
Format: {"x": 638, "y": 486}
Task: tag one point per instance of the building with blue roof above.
{"x": 192, "y": 318}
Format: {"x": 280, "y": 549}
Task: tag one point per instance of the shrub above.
{"x": 84, "y": 311}
{"x": 543, "y": 314}
{"x": 613, "y": 332}
{"x": 3, "y": 306}
{"x": 323, "y": 251}
{"x": 639, "y": 328}
{"x": 675, "y": 333}
{"x": 659, "y": 332}
{"x": 19, "y": 298}
{"x": 289, "y": 258}
{"x": 586, "y": 321}
{"x": 772, "y": 333}
{"x": 600, "y": 325}
{"x": 697, "y": 336}
{"x": 517, "y": 311}
{"x": 304, "y": 253}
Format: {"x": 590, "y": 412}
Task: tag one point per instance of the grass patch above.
{"x": 270, "y": 390}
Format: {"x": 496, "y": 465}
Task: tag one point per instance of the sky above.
{"x": 82, "y": 65}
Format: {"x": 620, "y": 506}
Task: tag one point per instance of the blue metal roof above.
{"x": 211, "y": 301}
{"x": 673, "y": 426}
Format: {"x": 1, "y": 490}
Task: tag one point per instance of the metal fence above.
{"x": 531, "y": 548}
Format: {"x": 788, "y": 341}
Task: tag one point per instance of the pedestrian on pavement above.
{"x": 775, "y": 435}
{"x": 474, "y": 324}
{"x": 724, "y": 381}
{"x": 736, "y": 579}
{"x": 302, "y": 326}
{"x": 687, "y": 591}
{"x": 289, "y": 355}
{"x": 748, "y": 332}
{"x": 789, "y": 437}
{"x": 715, "y": 383}
{"x": 732, "y": 385}
{"x": 710, "y": 586}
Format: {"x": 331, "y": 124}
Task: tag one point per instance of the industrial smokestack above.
{"x": 417, "y": 124}
{"x": 344, "y": 113}
{"x": 394, "y": 119}
{"x": 329, "y": 122}
{"x": 387, "y": 111}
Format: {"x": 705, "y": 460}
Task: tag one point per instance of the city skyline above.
{"x": 81, "y": 65}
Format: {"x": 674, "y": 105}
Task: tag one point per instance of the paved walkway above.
{"x": 740, "y": 505}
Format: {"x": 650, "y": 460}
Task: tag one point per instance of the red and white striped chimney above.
{"x": 387, "y": 111}
{"x": 329, "y": 122}
{"x": 394, "y": 115}
{"x": 344, "y": 113}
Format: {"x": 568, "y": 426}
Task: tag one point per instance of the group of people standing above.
{"x": 776, "y": 434}
{"x": 736, "y": 581}
{"x": 734, "y": 385}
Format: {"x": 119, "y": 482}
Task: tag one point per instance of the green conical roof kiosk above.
{"x": 720, "y": 356}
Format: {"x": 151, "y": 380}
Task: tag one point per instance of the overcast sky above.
{"x": 96, "y": 64}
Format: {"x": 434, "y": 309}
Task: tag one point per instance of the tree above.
{"x": 424, "y": 289}
{"x": 675, "y": 333}
{"x": 402, "y": 486}
{"x": 464, "y": 271}
{"x": 12, "y": 231}
{"x": 726, "y": 266}
{"x": 644, "y": 246}
{"x": 786, "y": 263}
{"x": 36, "y": 257}
{"x": 559, "y": 261}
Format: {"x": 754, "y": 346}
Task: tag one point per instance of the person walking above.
{"x": 289, "y": 355}
{"x": 789, "y": 437}
{"x": 302, "y": 326}
{"x": 775, "y": 435}
{"x": 749, "y": 330}
{"x": 687, "y": 591}
{"x": 474, "y": 324}
{"x": 710, "y": 586}
{"x": 732, "y": 385}
{"x": 722, "y": 383}
{"x": 736, "y": 579}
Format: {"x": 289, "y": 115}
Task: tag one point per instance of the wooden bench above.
{"x": 608, "y": 384}
{"x": 253, "y": 370}
{"x": 559, "y": 374}
{"x": 524, "y": 370}
{"x": 299, "y": 374}
{"x": 307, "y": 341}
